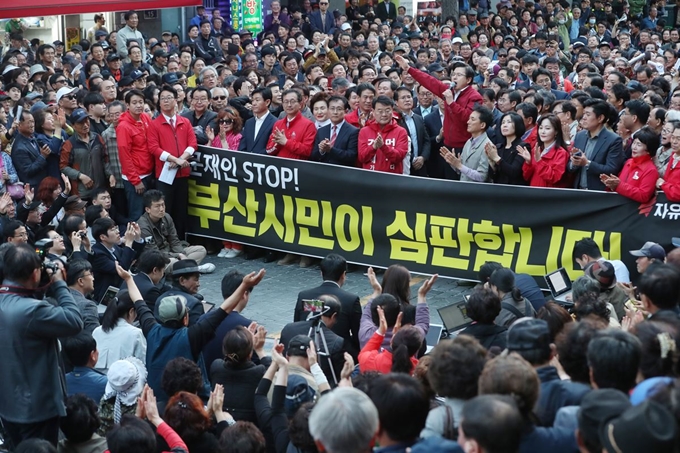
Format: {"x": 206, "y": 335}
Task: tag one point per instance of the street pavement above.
{"x": 273, "y": 300}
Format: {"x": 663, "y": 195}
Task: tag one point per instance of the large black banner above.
{"x": 430, "y": 226}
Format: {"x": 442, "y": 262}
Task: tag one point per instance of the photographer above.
{"x": 29, "y": 329}
{"x": 331, "y": 354}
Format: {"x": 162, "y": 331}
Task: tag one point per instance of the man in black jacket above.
{"x": 332, "y": 359}
{"x": 334, "y": 272}
{"x": 151, "y": 266}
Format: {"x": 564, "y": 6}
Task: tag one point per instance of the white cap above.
{"x": 9, "y": 67}
{"x": 63, "y": 91}
{"x": 457, "y": 40}
{"x": 345, "y": 26}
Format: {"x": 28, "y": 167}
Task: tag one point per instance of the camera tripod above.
{"x": 319, "y": 335}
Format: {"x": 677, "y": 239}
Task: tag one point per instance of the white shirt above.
{"x": 172, "y": 120}
{"x": 258, "y": 123}
{"x": 124, "y": 340}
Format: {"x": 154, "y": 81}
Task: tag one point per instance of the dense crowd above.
{"x": 107, "y": 344}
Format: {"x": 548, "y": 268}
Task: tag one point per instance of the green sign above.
{"x": 252, "y": 16}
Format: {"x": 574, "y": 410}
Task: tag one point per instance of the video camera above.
{"x": 315, "y": 307}
{"x": 42, "y": 248}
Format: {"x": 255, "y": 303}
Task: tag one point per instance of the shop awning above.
{"x": 32, "y": 8}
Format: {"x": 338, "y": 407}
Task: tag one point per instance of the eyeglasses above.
{"x": 70, "y": 97}
{"x": 60, "y": 81}
{"x": 227, "y": 121}
{"x": 220, "y": 98}
{"x": 290, "y": 102}
{"x": 86, "y": 275}
{"x": 21, "y": 235}
{"x": 167, "y": 99}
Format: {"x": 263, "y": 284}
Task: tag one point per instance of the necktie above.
{"x": 334, "y": 135}
{"x": 172, "y": 122}
{"x": 323, "y": 21}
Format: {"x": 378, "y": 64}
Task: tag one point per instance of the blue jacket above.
{"x": 86, "y": 380}
{"x": 30, "y": 165}
{"x": 555, "y": 394}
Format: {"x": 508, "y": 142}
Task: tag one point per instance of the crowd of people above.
{"x": 108, "y": 345}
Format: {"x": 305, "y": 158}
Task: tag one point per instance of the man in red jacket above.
{"x": 135, "y": 158}
{"x": 364, "y": 111}
{"x": 172, "y": 141}
{"x": 459, "y": 99}
{"x": 293, "y": 136}
{"x": 383, "y": 144}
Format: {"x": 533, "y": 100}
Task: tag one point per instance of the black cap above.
{"x": 185, "y": 267}
{"x": 136, "y": 75}
{"x": 529, "y": 334}
{"x": 597, "y": 408}
{"x": 125, "y": 81}
{"x": 160, "y": 53}
{"x": 112, "y": 57}
{"x": 646, "y": 427}
{"x": 298, "y": 345}
{"x": 435, "y": 67}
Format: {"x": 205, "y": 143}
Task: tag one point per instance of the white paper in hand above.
{"x": 168, "y": 174}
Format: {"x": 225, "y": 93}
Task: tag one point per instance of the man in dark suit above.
{"x": 29, "y": 156}
{"x": 151, "y": 266}
{"x": 106, "y": 252}
{"x": 597, "y": 150}
{"x": 415, "y": 126}
{"x": 336, "y": 143}
{"x": 322, "y": 20}
{"x": 230, "y": 282}
{"x": 257, "y": 129}
{"x": 334, "y": 272}
{"x": 386, "y": 11}
{"x": 332, "y": 363}
{"x": 433, "y": 125}
{"x": 543, "y": 78}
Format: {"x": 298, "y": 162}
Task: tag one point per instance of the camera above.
{"x": 42, "y": 247}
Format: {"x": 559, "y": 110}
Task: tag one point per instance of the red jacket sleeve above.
{"x": 369, "y": 353}
{"x": 644, "y": 189}
{"x": 154, "y": 140}
{"x": 173, "y": 440}
{"x": 553, "y": 170}
{"x": 527, "y": 171}
{"x": 431, "y": 83}
{"x": 366, "y": 150}
{"x": 125, "y": 153}
{"x": 272, "y": 147}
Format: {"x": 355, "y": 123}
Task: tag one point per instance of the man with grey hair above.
{"x": 344, "y": 421}
{"x": 339, "y": 86}
{"x": 219, "y": 98}
{"x": 208, "y": 77}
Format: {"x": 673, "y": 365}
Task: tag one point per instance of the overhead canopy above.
{"x": 32, "y": 8}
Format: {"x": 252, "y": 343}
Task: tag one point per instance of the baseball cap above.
{"x": 105, "y": 45}
{"x": 38, "y": 106}
{"x": 400, "y": 48}
{"x": 297, "y": 346}
{"x": 345, "y": 26}
{"x": 244, "y": 31}
{"x": 8, "y": 68}
{"x": 166, "y": 33}
{"x": 136, "y": 75}
{"x": 650, "y": 250}
{"x": 64, "y": 91}
{"x": 160, "y": 53}
{"x": 646, "y": 427}
{"x": 58, "y": 43}
{"x": 472, "y": 12}
{"x": 78, "y": 115}
{"x": 33, "y": 96}
{"x": 125, "y": 81}
{"x": 634, "y": 85}
{"x": 509, "y": 38}
{"x": 170, "y": 78}
{"x": 597, "y": 408}
{"x": 603, "y": 272}
{"x": 457, "y": 40}
{"x": 415, "y": 35}
{"x": 484, "y": 16}
{"x": 604, "y": 44}
{"x": 184, "y": 267}
{"x": 100, "y": 33}
{"x": 529, "y": 334}
{"x": 112, "y": 57}
{"x": 171, "y": 308}
{"x": 298, "y": 392}
{"x": 435, "y": 67}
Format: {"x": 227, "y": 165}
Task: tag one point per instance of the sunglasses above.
{"x": 70, "y": 97}
{"x": 227, "y": 121}
{"x": 220, "y": 98}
